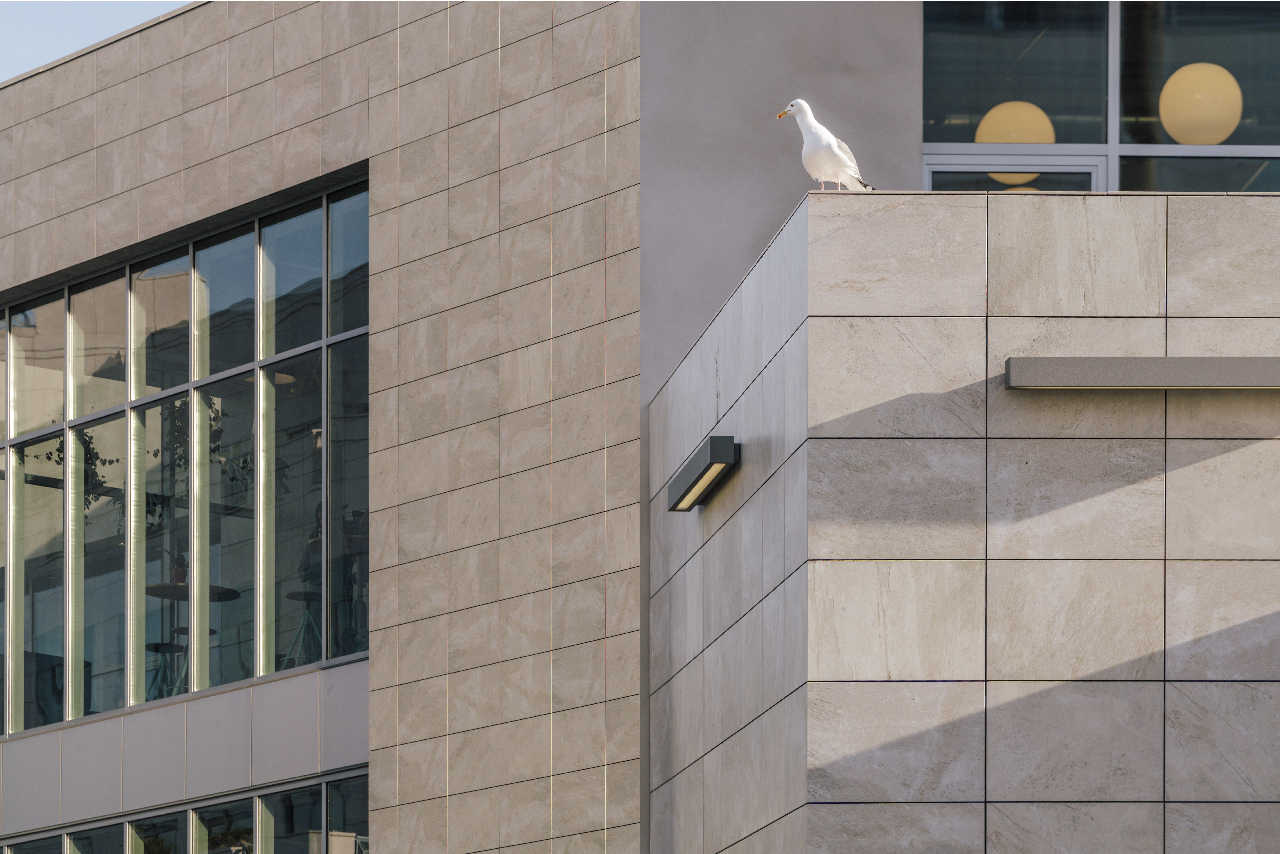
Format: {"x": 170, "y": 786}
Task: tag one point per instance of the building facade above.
{"x": 336, "y": 453}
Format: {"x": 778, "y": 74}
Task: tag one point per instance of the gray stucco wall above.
{"x": 720, "y": 172}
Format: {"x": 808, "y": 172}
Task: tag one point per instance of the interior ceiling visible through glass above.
{"x": 978, "y": 56}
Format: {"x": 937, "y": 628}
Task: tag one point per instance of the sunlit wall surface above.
{"x": 324, "y": 818}
{"x": 188, "y": 444}
{"x": 1143, "y": 96}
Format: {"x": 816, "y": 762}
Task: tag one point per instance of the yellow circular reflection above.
{"x": 1015, "y": 122}
{"x": 1200, "y": 104}
{"x": 1019, "y": 190}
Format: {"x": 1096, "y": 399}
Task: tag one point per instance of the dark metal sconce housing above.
{"x": 1133, "y": 372}
{"x": 698, "y": 479}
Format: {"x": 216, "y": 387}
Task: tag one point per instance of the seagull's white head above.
{"x": 795, "y": 107}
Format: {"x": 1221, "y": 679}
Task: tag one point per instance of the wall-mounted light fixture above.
{"x": 1134, "y": 372}
{"x": 698, "y": 479}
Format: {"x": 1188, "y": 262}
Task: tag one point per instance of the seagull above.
{"x": 825, "y": 158}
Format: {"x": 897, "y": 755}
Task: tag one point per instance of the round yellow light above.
{"x": 1200, "y": 104}
{"x": 1019, "y": 190}
{"x": 1015, "y": 122}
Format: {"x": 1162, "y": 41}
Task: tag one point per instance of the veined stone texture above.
{"x": 1031, "y": 621}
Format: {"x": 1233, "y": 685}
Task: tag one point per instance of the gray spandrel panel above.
{"x": 286, "y": 728}
{"x": 91, "y": 756}
{"x": 344, "y": 716}
{"x": 31, "y": 771}
{"x": 154, "y": 753}
{"x": 218, "y": 742}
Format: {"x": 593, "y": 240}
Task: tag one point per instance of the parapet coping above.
{"x": 108, "y": 40}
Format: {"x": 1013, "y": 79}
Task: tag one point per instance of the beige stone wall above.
{"x": 1034, "y": 620}
{"x": 502, "y": 148}
{"x": 504, "y": 705}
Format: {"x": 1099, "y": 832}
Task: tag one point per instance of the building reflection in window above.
{"x": 161, "y": 323}
{"x": 292, "y": 297}
{"x": 38, "y": 535}
{"x": 225, "y": 282}
{"x": 98, "y": 344}
{"x": 348, "y": 440}
{"x": 163, "y": 466}
{"x": 98, "y": 538}
{"x": 224, "y": 431}
{"x": 38, "y": 338}
{"x": 349, "y": 816}
{"x": 100, "y": 840}
{"x": 292, "y": 822}
{"x": 166, "y": 834}
{"x": 225, "y": 829}
{"x": 1200, "y": 174}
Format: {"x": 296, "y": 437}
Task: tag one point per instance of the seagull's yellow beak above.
{"x": 781, "y": 114}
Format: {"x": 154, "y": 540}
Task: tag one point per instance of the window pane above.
{"x": 165, "y": 471}
{"x": 4, "y": 559}
{"x": 4, "y": 380}
{"x": 348, "y": 260}
{"x": 349, "y": 816}
{"x": 100, "y": 471}
{"x": 1013, "y": 182}
{"x": 101, "y": 840}
{"x": 1199, "y": 174}
{"x": 38, "y": 331}
{"x": 97, "y": 345}
{"x": 225, "y": 829}
{"x": 291, "y": 293}
{"x": 225, "y": 295}
{"x": 348, "y": 441}
{"x": 1052, "y": 56}
{"x": 38, "y": 532}
{"x": 294, "y": 556}
{"x": 161, "y": 323}
{"x": 292, "y": 822}
{"x": 166, "y": 834}
{"x": 52, "y": 845}
{"x": 1168, "y": 92}
{"x": 229, "y": 495}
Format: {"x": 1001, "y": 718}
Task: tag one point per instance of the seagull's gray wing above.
{"x": 857, "y": 173}
{"x": 844, "y": 149}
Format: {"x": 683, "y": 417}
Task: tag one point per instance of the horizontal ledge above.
{"x": 1118, "y": 372}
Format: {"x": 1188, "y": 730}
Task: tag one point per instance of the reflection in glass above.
{"x": 98, "y": 532}
{"x": 982, "y": 182}
{"x": 225, "y": 286}
{"x": 164, "y": 469}
{"x": 4, "y": 560}
{"x": 1157, "y": 39}
{"x": 51, "y": 845}
{"x": 348, "y": 440}
{"x": 100, "y": 840}
{"x": 292, "y": 252}
{"x": 291, "y": 822}
{"x": 98, "y": 345}
{"x": 978, "y": 55}
{"x": 166, "y": 834}
{"x": 225, "y": 829}
{"x": 225, "y": 428}
{"x": 37, "y": 532}
{"x": 161, "y": 323}
{"x": 293, "y": 546}
{"x": 1200, "y": 174}
{"x": 348, "y": 260}
{"x": 4, "y": 380}
{"x": 38, "y": 333}
{"x": 349, "y": 816}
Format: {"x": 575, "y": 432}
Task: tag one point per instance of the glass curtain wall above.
{"x": 322, "y": 818}
{"x": 1188, "y": 102}
{"x": 189, "y": 505}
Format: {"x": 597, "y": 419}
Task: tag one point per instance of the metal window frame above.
{"x": 188, "y": 808}
{"x": 1051, "y": 158}
{"x": 198, "y": 667}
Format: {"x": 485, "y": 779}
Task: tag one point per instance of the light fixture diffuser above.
{"x": 698, "y": 479}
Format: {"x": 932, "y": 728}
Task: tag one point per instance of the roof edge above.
{"x": 117, "y": 37}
